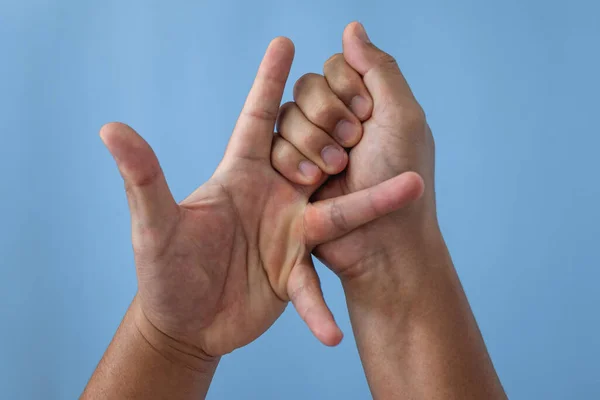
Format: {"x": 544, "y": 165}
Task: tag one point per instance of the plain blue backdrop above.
{"x": 511, "y": 92}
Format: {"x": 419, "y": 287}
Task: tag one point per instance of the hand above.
{"x": 396, "y": 139}
{"x": 414, "y": 330}
{"x": 215, "y": 271}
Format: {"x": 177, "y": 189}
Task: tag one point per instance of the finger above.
{"x": 310, "y": 140}
{"x": 348, "y": 86}
{"x": 326, "y": 220}
{"x": 151, "y": 203}
{"x": 252, "y": 135}
{"x": 292, "y": 164}
{"x": 381, "y": 75}
{"x": 304, "y": 290}
{"x": 323, "y": 108}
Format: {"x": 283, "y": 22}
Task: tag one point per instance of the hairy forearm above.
{"x": 141, "y": 363}
{"x": 415, "y": 331}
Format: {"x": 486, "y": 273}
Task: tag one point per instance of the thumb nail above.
{"x": 361, "y": 33}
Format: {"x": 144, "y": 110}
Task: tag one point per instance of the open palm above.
{"x": 216, "y": 270}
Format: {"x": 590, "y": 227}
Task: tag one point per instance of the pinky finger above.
{"x": 305, "y": 293}
{"x": 289, "y": 162}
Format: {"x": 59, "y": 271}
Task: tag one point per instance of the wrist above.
{"x": 179, "y": 353}
{"x": 412, "y": 323}
{"x": 404, "y": 259}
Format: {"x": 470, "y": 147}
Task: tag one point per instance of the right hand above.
{"x": 415, "y": 332}
{"x": 396, "y": 138}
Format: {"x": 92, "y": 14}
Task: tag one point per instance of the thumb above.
{"x": 379, "y": 70}
{"x": 151, "y": 204}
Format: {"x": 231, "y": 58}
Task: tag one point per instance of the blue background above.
{"x": 510, "y": 89}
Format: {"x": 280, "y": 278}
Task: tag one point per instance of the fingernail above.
{"x": 308, "y": 169}
{"x": 345, "y": 131}
{"x": 361, "y": 33}
{"x": 332, "y": 156}
{"x": 360, "y": 107}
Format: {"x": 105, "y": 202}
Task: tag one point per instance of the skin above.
{"x": 215, "y": 271}
{"x": 415, "y": 331}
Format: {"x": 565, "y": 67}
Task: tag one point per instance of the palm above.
{"x": 237, "y": 241}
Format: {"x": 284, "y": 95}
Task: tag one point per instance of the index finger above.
{"x": 326, "y": 220}
{"x": 253, "y": 132}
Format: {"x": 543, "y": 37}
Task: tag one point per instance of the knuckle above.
{"x": 304, "y": 83}
{"x": 338, "y": 219}
{"x": 285, "y": 115}
{"x": 286, "y": 107}
{"x": 343, "y": 82}
{"x": 321, "y": 113}
{"x": 387, "y": 61}
{"x": 346, "y": 87}
{"x": 308, "y": 142}
{"x": 272, "y": 77}
{"x": 414, "y": 118}
{"x": 296, "y": 292}
{"x": 430, "y": 137}
{"x": 280, "y": 151}
{"x": 332, "y": 62}
{"x": 409, "y": 119}
{"x": 143, "y": 179}
{"x": 307, "y": 287}
{"x": 284, "y": 112}
{"x": 299, "y": 291}
{"x": 266, "y": 113}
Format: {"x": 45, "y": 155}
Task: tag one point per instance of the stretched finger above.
{"x": 326, "y": 220}
{"x": 252, "y": 135}
{"x": 304, "y": 290}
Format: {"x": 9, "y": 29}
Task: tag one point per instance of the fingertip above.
{"x": 310, "y": 173}
{"x": 306, "y": 296}
{"x": 321, "y": 323}
{"x": 292, "y": 165}
{"x": 362, "y": 107}
{"x": 282, "y": 43}
{"x": 357, "y": 30}
{"x": 335, "y": 159}
{"x": 354, "y": 48}
{"x": 282, "y": 39}
{"x": 334, "y": 338}
{"x": 134, "y": 156}
{"x": 107, "y": 130}
{"x": 328, "y": 333}
{"x": 110, "y": 132}
{"x": 415, "y": 183}
{"x": 359, "y": 52}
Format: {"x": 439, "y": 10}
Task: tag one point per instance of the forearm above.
{"x": 415, "y": 331}
{"x": 141, "y": 363}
